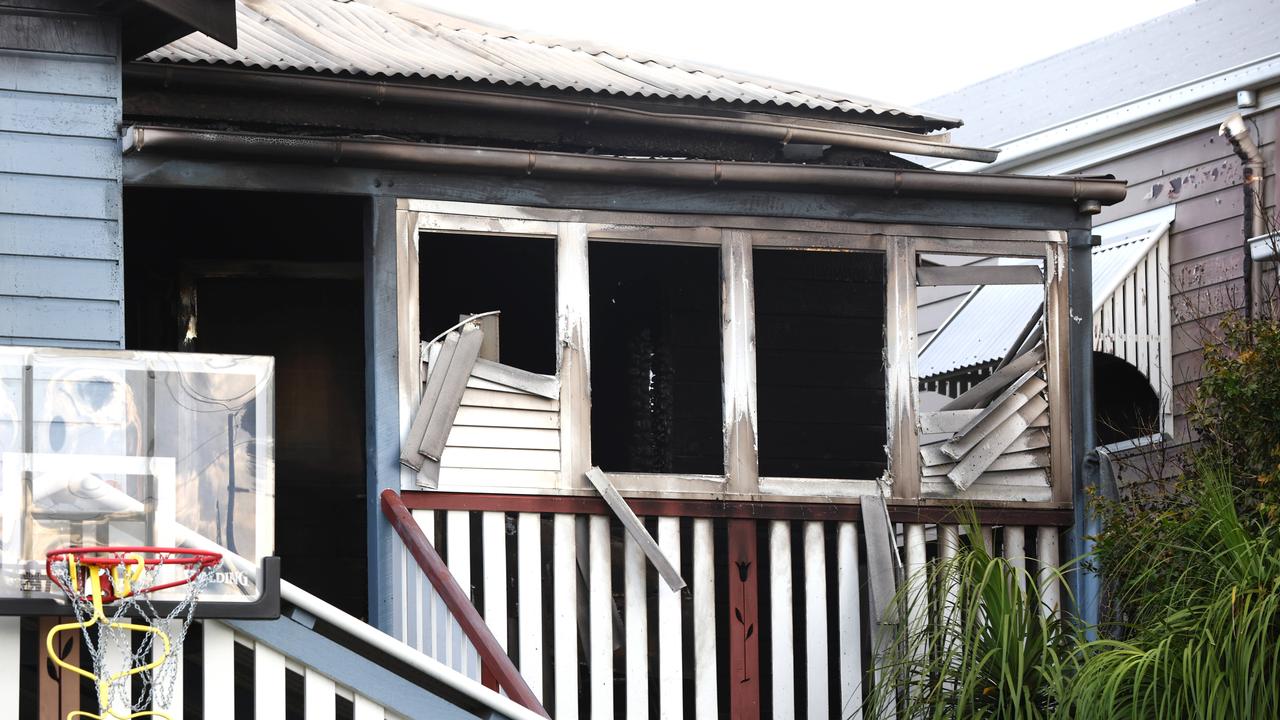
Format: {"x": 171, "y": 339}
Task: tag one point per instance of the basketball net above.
{"x": 135, "y": 648}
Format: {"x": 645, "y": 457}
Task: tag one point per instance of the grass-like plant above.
{"x": 988, "y": 650}
{"x": 1201, "y": 637}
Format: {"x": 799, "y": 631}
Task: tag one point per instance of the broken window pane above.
{"x": 655, "y": 358}
{"x": 819, "y": 363}
{"x": 463, "y": 275}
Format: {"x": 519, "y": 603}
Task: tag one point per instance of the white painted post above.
{"x": 815, "y": 620}
{"x": 670, "y": 636}
{"x": 565, "y": 613}
{"x": 781, "y": 621}
{"x": 1015, "y": 551}
{"x": 430, "y": 622}
{"x": 850, "y": 620}
{"x": 918, "y": 601}
{"x": 1047, "y": 552}
{"x": 318, "y": 697}
{"x": 704, "y": 620}
{"x": 219, "y": 670}
{"x": 529, "y": 601}
{"x": 494, "y": 531}
{"x": 458, "y": 548}
{"x": 634, "y": 565}
{"x": 10, "y": 663}
{"x": 600, "y": 601}
{"x": 268, "y": 682}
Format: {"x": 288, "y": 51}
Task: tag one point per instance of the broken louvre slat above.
{"x": 978, "y": 395}
{"x": 409, "y": 453}
{"x": 980, "y": 275}
{"x": 985, "y": 453}
{"x": 946, "y": 421}
{"x": 448, "y": 397}
{"x": 1001, "y": 399}
{"x": 960, "y": 445}
{"x": 514, "y": 400}
{"x": 1005, "y": 461}
{"x": 1034, "y": 438}
{"x": 635, "y": 528}
{"x": 546, "y": 386}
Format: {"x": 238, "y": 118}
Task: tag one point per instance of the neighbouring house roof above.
{"x": 406, "y": 38}
{"x": 1194, "y": 42}
{"x": 992, "y": 318}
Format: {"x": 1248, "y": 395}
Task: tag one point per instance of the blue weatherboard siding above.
{"x": 61, "y": 273}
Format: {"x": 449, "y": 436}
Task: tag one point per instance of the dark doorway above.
{"x": 278, "y": 275}
{"x": 1125, "y": 405}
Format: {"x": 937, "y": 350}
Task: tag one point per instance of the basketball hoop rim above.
{"x": 115, "y": 555}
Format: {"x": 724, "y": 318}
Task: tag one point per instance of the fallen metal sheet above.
{"x": 635, "y": 528}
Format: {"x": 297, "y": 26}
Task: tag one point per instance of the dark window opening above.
{"x": 819, "y": 363}
{"x": 281, "y": 275}
{"x": 463, "y": 275}
{"x": 655, "y": 359}
{"x": 1125, "y": 405}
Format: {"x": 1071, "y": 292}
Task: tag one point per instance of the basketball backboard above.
{"x": 137, "y": 448}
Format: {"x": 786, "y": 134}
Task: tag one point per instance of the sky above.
{"x": 891, "y": 50}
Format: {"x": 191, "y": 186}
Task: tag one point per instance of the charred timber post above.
{"x": 380, "y": 153}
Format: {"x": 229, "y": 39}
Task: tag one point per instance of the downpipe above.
{"x": 1237, "y": 133}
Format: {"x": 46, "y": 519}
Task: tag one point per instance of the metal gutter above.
{"x": 1088, "y": 193}
{"x": 378, "y": 92}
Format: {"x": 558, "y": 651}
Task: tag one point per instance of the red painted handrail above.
{"x": 494, "y": 662}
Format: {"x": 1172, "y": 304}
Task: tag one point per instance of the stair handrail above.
{"x": 494, "y": 661}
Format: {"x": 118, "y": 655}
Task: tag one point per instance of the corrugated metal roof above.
{"x": 986, "y": 326}
{"x": 404, "y": 38}
{"x": 1187, "y": 44}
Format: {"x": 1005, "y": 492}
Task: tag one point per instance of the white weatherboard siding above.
{"x": 61, "y": 278}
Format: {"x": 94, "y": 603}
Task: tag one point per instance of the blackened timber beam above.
{"x": 260, "y": 175}
{"x": 925, "y": 511}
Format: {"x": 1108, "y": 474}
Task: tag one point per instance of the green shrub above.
{"x": 1237, "y": 408}
{"x": 988, "y": 650}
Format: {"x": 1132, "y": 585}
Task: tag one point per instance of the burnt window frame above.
{"x": 737, "y": 237}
